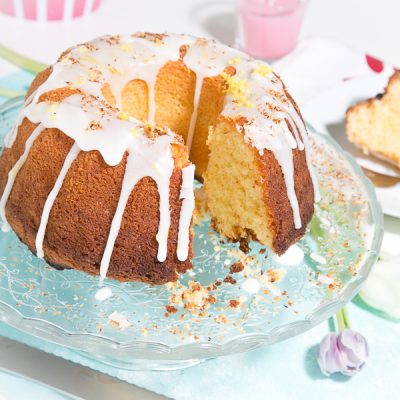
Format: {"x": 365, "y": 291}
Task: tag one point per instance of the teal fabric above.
{"x": 287, "y": 370}
{"x": 15, "y": 387}
{"x": 18, "y": 81}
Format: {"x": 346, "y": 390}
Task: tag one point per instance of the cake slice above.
{"x": 246, "y": 193}
{"x": 374, "y": 124}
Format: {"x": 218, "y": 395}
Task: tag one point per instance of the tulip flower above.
{"x": 345, "y": 351}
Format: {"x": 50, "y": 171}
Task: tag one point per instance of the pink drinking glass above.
{"x": 268, "y": 29}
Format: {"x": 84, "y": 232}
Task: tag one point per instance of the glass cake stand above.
{"x": 235, "y": 299}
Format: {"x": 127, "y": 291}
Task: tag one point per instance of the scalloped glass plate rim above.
{"x": 202, "y": 350}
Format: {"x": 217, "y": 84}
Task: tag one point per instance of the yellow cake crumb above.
{"x": 127, "y": 47}
{"x": 235, "y": 61}
{"x": 263, "y": 70}
{"x": 239, "y": 89}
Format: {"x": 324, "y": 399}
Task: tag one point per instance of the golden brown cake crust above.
{"x": 265, "y": 191}
{"x": 276, "y": 199}
{"x": 378, "y": 98}
{"x": 81, "y": 216}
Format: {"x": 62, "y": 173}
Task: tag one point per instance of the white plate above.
{"x": 326, "y": 112}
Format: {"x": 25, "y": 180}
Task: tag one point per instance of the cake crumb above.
{"x": 118, "y": 321}
{"x": 170, "y": 310}
{"x": 230, "y": 279}
{"x": 276, "y": 275}
{"x": 234, "y": 303}
{"x": 211, "y": 299}
{"x": 244, "y": 245}
{"x": 221, "y": 319}
{"x": 236, "y": 267}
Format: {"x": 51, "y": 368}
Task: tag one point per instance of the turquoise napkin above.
{"x": 18, "y": 82}
{"x": 287, "y": 370}
{"x": 16, "y": 387}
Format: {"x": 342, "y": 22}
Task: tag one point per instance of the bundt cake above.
{"x": 374, "y": 124}
{"x": 96, "y": 174}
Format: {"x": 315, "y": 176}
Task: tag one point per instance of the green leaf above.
{"x": 9, "y": 93}
{"x": 21, "y": 61}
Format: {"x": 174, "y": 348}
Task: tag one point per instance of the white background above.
{"x": 369, "y": 25}
{"x": 372, "y": 25}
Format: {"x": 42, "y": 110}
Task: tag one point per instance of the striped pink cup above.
{"x": 48, "y": 10}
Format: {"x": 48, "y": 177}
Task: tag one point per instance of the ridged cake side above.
{"x": 81, "y": 216}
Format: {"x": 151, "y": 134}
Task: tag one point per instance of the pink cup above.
{"x": 269, "y": 29}
{"x": 48, "y": 10}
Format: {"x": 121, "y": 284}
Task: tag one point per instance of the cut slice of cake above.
{"x": 246, "y": 193}
{"x": 374, "y": 124}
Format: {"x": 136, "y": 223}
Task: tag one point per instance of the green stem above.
{"x": 340, "y": 321}
{"x": 346, "y": 318}
{"x": 9, "y": 93}
{"x": 21, "y": 61}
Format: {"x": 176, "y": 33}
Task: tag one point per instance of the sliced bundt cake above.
{"x": 96, "y": 173}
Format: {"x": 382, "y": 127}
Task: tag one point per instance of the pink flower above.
{"x": 344, "y": 352}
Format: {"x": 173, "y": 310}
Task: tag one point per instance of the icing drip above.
{"x": 151, "y": 102}
{"x": 193, "y": 118}
{"x": 111, "y": 62}
{"x": 187, "y": 208}
{"x": 268, "y": 126}
{"x": 285, "y": 159}
{"x": 314, "y": 178}
{"x": 12, "y": 135}
{"x": 300, "y": 132}
{"x": 153, "y": 160}
{"x": 73, "y": 153}
{"x": 206, "y": 59}
{"x": 13, "y": 174}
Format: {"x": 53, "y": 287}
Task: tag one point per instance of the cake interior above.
{"x": 218, "y": 150}
{"x": 374, "y": 125}
{"x": 174, "y": 96}
{"x": 235, "y": 196}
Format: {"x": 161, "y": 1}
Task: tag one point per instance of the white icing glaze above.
{"x": 207, "y": 59}
{"x": 284, "y": 157}
{"x": 255, "y": 93}
{"x": 326, "y": 280}
{"x": 294, "y": 255}
{"x": 318, "y": 258}
{"x": 103, "y": 294}
{"x": 314, "y": 178}
{"x": 187, "y": 208}
{"x": 193, "y": 118}
{"x": 120, "y": 321}
{"x": 251, "y": 285}
{"x": 13, "y": 174}
{"x": 149, "y": 159}
{"x": 73, "y": 153}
